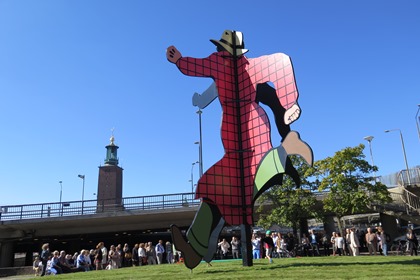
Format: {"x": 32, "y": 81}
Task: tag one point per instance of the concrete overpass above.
{"x": 75, "y": 225}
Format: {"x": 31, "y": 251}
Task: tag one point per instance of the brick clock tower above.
{"x": 110, "y": 181}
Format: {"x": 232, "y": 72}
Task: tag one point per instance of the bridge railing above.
{"x": 89, "y": 207}
{"x": 409, "y": 177}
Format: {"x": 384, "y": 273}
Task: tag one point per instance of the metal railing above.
{"x": 412, "y": 173}
{"x": 89, "y": 207}
{"x": 411, "y": 200}
{"x": 155, "y": 202}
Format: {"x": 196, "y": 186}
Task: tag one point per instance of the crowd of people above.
{"x": 269, "y": 245}
{"x": 274, "y": 244}
{"x": 350, "y": 243}
{"x": 58, "y": 262}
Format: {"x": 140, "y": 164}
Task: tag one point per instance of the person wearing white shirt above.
{"x": 224, "y": 246}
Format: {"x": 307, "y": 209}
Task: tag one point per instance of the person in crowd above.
{"x": 150, "y": 253}
{"x": 160, "y": 250}
{"x": 127, "y": 256}
{"x": 291, "y": 240}
{"x": 37, "y": 266}
{"x": 348, "y": 245}
{"x": 314, "y": 243}
{"x": 142, "y": 254}
{"x": 224, "y": 247}
{"x": 98, "y": 257}
{"x": 88, "y": 259}
{"x": 235, "y": 244}
{"x": 382, "y": 241}
{"x": 135, "y": 255}
{"x": 371, "y": 241}
{"x": 56, "y": 262}
{"x": 169, "y": 253}
{"x": 281, "y": 245}
{"x": 70, "y": 261}
{"x": 74, "y": 258}
{"x": 412, "y": 241}
{"x": 120, "y": 254}
{"x": 63, "y": 262}
{"x": 113, "y": 257}
{"x": 268, "y": 245}
{"x": 50, "y": 268}
{"x": 275, "y": 236}
{"x": 339, "y": 241}
{"x": 354, "y": 242}
{"x": 325, "y": 243}
{"x": 305, "y": 244}
{"x": 45, "y": 257}
{"x": 91, "y": 257}
{"x": 177, "y": 254}
{"x": 256, "y": 246}
{"x": 81, "y": 262}
{"x": 104, "y": 255}
{"x": 333, "y": 244}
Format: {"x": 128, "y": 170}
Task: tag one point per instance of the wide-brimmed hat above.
{"x": 226, "y": 42}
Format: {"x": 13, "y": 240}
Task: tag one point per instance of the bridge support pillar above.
{"x": 329, "y": 225}
{"x": 7, "y": 255}
{"x": 389, "y": 224}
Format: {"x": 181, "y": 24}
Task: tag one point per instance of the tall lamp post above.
{"x": 61, "y": 189}
{"x": 418, "y": 120}
{"x": 61, "y": 193}
{"x": 369, "y": 139}
{"x": 403, "y": 148}
{"x": 200, "y": 144}
{"x": 83, "y": 189}
{"x": 192, "y": 176}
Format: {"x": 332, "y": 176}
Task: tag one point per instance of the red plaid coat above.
{"x": 221, "y": 184}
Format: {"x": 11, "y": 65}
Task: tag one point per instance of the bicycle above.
{"x": 400, "y": 248}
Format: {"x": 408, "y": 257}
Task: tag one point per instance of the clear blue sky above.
{"x": 70, "y": 71}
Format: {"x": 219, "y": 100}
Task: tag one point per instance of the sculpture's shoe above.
{"x": 191, "y": 258}
{"x": 294, "y": 145}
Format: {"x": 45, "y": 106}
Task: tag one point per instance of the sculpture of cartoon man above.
{"x": 250, "y": 164}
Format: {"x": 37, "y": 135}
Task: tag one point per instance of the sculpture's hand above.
{"x": 172, "y": 54}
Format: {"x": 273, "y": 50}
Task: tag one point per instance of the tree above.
{"x": 289, "y": 204}
{"x": 347, "y": 178}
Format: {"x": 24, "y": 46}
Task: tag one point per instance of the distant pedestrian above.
{"x": 160, "y": 250}
{"x": 371, "y": 241}
{"x": 313, "y": 238}
{"x": 354, "y": 241}
{"x": 235, "y": 247}
{"x": 45, "y": 257}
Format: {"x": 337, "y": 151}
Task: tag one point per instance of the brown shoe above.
{"x": 294, "y": 145}
{"x": 191, "y": 258}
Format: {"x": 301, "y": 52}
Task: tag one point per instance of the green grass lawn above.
{"x": 362, "y": 267}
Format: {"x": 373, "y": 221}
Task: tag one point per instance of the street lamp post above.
{"x": 369, "y": 139}
{"x": 403, "y": 148}
{"x": 418, "y": 120}
{"x": 200, "y": 144}
{"x": 61, "y": 193}
{"x": 61, "y": 189}
{"x": 192, "y": 176}
{"x": 83, "y": 189}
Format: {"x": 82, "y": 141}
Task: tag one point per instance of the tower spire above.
{"x": 111, "y": 151}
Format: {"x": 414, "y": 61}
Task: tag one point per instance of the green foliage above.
{"x": 346, "y": 177}
{"x": 289, "y": 204}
